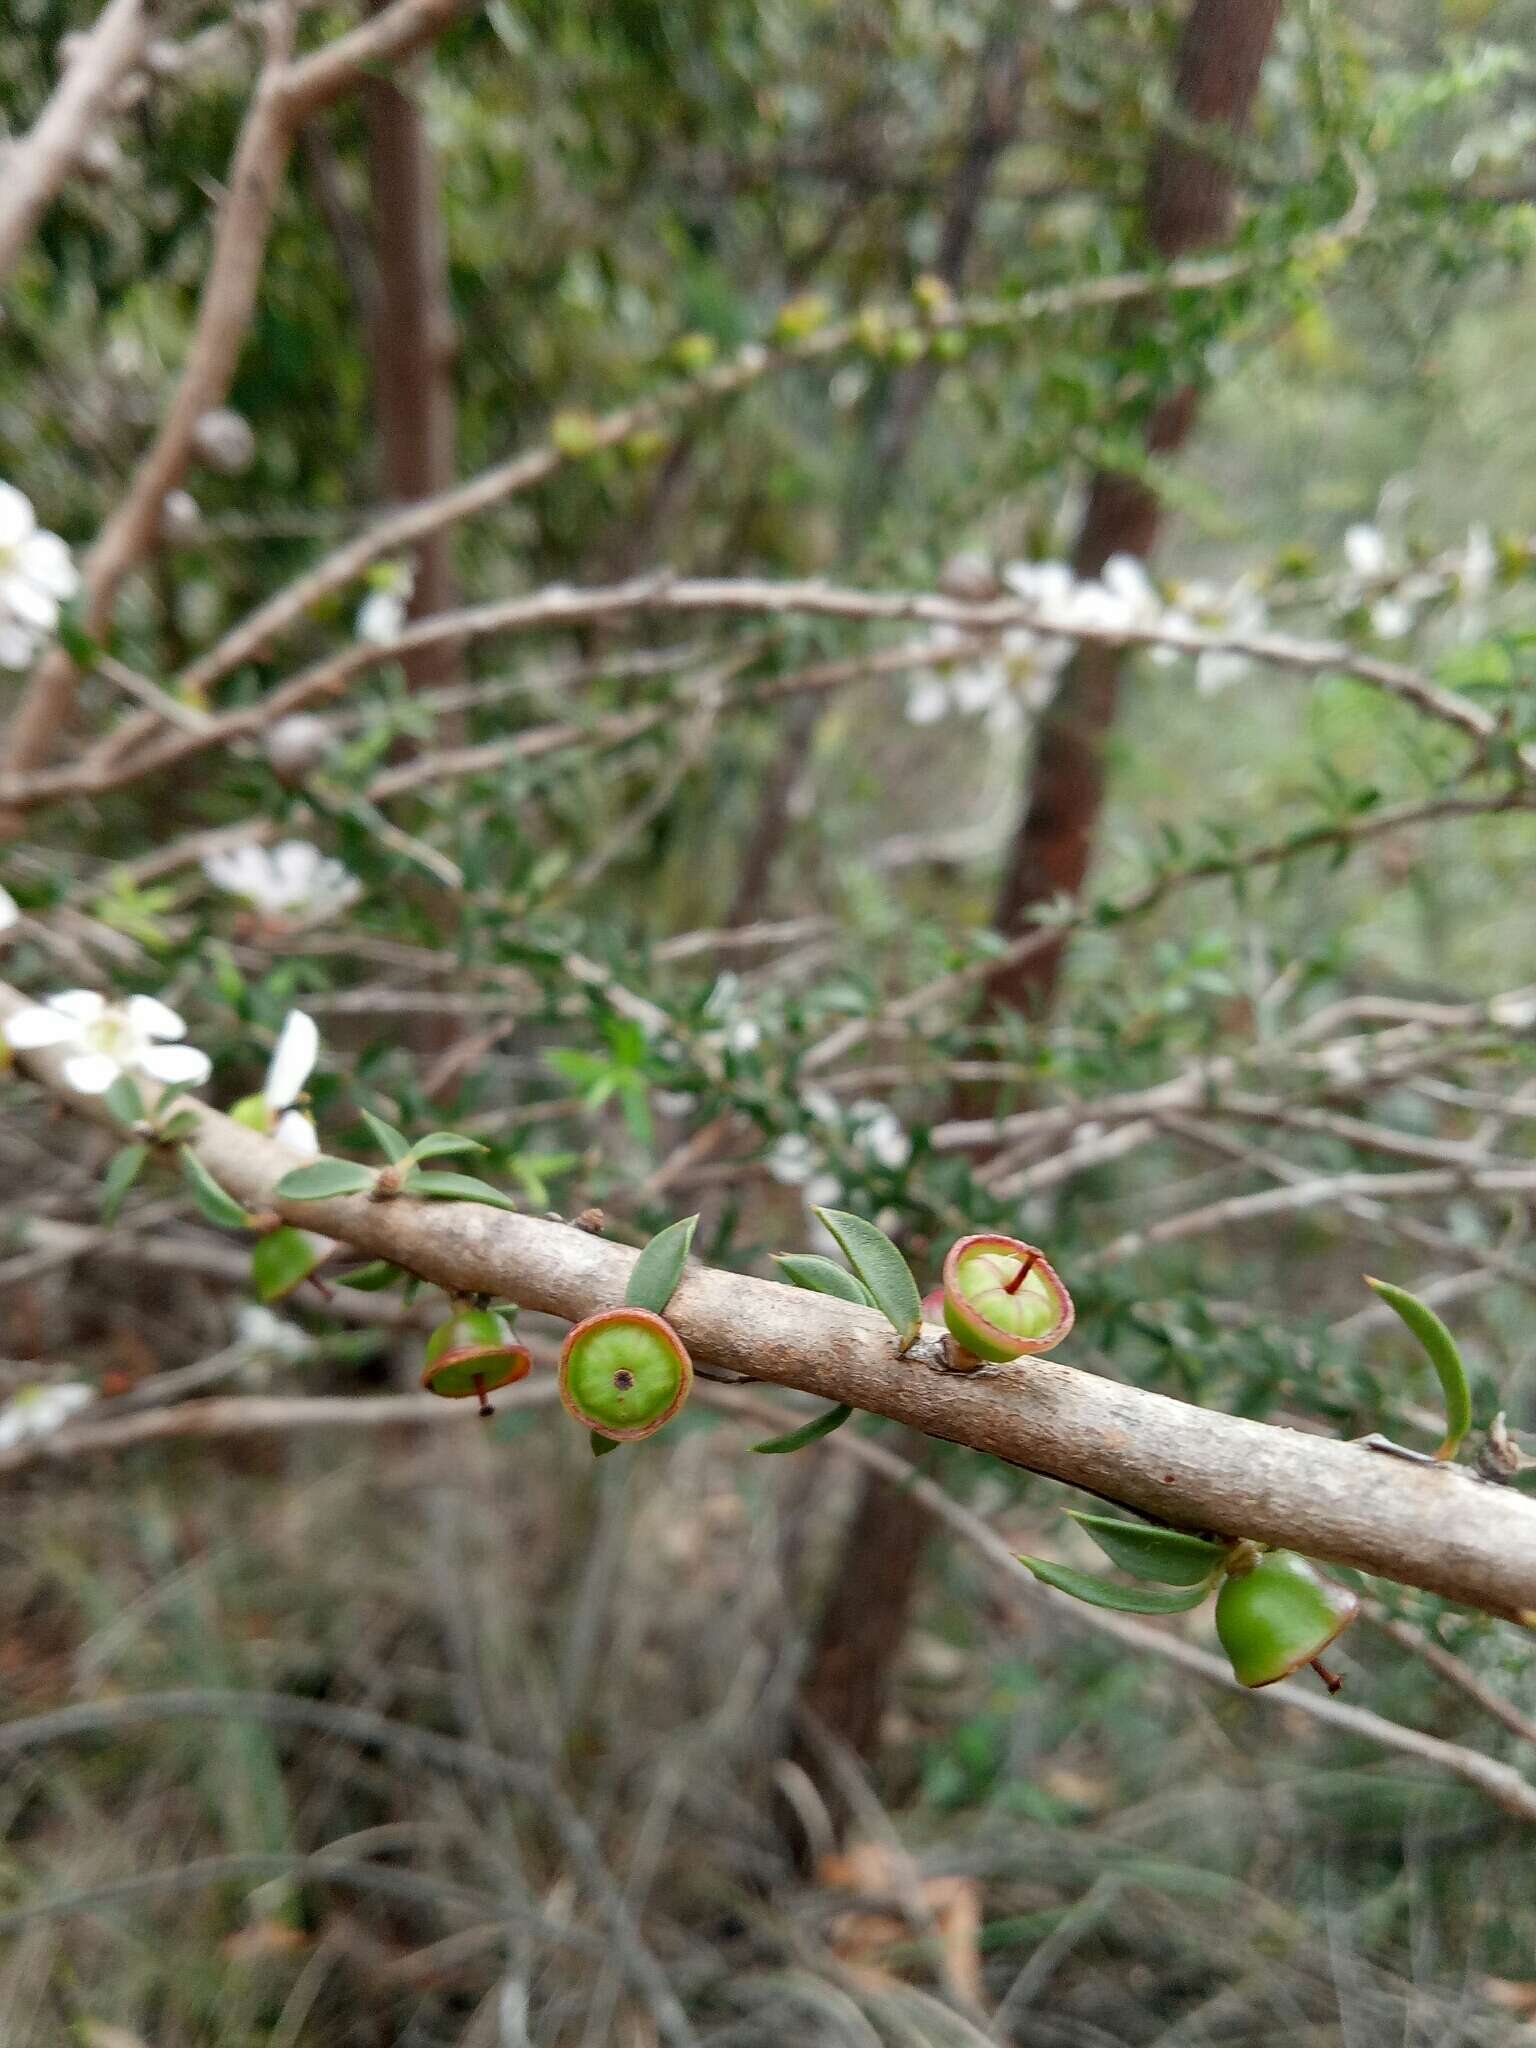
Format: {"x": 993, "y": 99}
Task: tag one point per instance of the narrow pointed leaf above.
{"x": 1440, "y": 1348}
{"x": 124, "y": 1100}
{"x": 602, "y": 1445}
{"x": 881, "y": 1268}
{"x": 323, "y": 1178}
{"x": 1167, "y": 1556}
{"x": 123, "y": 1169}
{"x": 283, "y": 1259}
{"x": 808, "y": 1433}
{"x": 373, "y": 1278}
{"x": 659, "y": 1267}
{"x": 823, "y": 1276}
{"x": 392, "y": 1143}
{"x": 457, "y": 1187}
{"x": 214, "y": 1202}
{"x": 1105, "y": 1593}
{"x": 443, "y": 1145}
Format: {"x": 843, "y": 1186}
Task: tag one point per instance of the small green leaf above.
{"x": 1105, "y": 1593}
{"x": 219, "y": 1207}
{"x": 373, "y": 1278}
{"x": 443, "y": 1145}
{"x": 808, "y": 1433}
{"x": 653, "y": 1282}
{"x": 882, "y": 1269}
{"x": 456, "y": 1187}
{"x": 602, "y": 1445}
{"x": 1167, "y": 1556}
{"x": 282, "y": 1260}
{"x": 323, "y": 1178}
{"x": 1440, "y": 1348}
{"x": 392, "y": 1143}
{"x": 124, "y": 1100}
{"x": 823, "y": 1276}
{"x": 179, "y": 1128}
{"x": 123, "y": 1169}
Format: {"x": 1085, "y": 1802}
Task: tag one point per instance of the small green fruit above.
{"x": 1003, "y": 1299}
{"x": 473, "y": 1353}
{"x": 624, "y": 1373}
{"x": 255, "y": 1112}
{"x": 1279, "y": 1615}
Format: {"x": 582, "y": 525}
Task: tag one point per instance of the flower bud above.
{"x": 1278, "y": 1615}
{"x": 225, "y": 441}
{"x": 624, "y": 1373}
{"x": 297, "y": 745}
{"x": 473, "y": 1353}
{"x": 1002, "y": 1299}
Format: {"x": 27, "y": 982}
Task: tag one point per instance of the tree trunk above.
{"x": 1189, "y": 200}
{"x": 412, "y": 343}
{"x": 1188, "y": 203}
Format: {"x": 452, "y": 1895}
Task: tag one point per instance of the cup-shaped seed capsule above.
{"x": 1279, "y": 1615}
{"x": 472, "y": 1354}
{"x": 624, "y": 1373}
{"x": 1002, "y": 1298}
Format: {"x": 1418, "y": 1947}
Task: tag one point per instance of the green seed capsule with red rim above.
{"x": 1003, "y": 1299}
{"x": 472, "y": 1354}
{"x": 624, "y": 1373}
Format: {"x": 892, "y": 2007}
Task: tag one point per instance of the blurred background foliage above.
{"x": 1102, "y": 1853}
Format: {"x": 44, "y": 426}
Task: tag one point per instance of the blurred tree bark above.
{"x": 1189, "y": 200}
{"x": 1189, "y": 204}
{"x": 412, "y": 341}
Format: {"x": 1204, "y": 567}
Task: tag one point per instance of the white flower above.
{"x": 1366, "y": 552}
{"x": 928, "y": 699}
{"x": 1235, "y": 614}
{"x": 106, "y": 1040}
{"x": 294, "y": 882}
{"x": 1391, "y": 618}
{"x": 382, "y": 614}
{"x": 1479, "y": 560}
{"x": 36, "y": 576}
{"x": 292, "y": 1063}
{"x": 9, "y": 913}
{"x": 877, "y": 1131}
{"x": 793, "y": 1159}
{"x": 258, "y": 1329}
{"x": 39, "y": 1411}
{"x": 381, "y": 618}
{"x": 1515, "y": 1011}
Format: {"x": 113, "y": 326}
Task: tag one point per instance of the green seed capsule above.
{"x": 1279, "y": 1615}
{"x": 624, "y": 1373}
{"x": 1002, "y": 1299}
{"x": 473, "y": 1353}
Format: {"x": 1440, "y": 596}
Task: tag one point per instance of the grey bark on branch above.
{"x": 39, "y": 162}
{"x": 288, "y": 92}
{"x": 1434, "y": 1527}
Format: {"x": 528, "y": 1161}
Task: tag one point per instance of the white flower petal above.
{"x": 169, "y": 1063}
{"x": 81, "y": 1005}
{"x": 28, "y": 602}
{"x": 9, "y": 912}
{"x": 17, "y": 519}
{"x": 1365, "y": 550}
{"x": 44, "y": 560}
{"x": 91, "y": 1073}
{"x": 17, "y": 645}
{"x": 295, "y": 1130}
{"x": 30, "y": 1029}
{"x": 927, "y": 701}
{"x": 152, "y": 1017}
{"x": 293, "y": 1059}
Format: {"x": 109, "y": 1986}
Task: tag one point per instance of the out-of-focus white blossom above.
{"x": 382, "y": 614}
{"x": 297, "y": 744}
{"x": 1366, "y": 553}
{"x": 39, "y": 1411}
{"x": 292, "y": 1063}
{"x": 1514, "y": 1011}
{"x": 1237, "y": 613}
{"x": 224, "y": 439}
{"x": 9, "y": 910}
{"x": 180, "y": 515}
{"x": 107, "y": 1040}
{"x": 293, "y": 882}
{"x": 258, "y": 1329}
{"x": 36, "y": 577}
